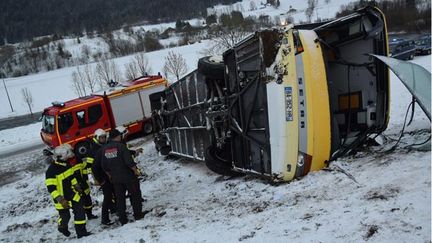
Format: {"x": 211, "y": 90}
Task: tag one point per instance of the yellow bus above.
{"x": 283, "y": 102}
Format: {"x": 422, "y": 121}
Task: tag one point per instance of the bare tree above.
{"x": 142, "y": 63}
{"x": 107, "y": 72}
{"x": 131, "y": 70}
{"x": 310, "y": 9}
{"x": 27, "y": 98}
{"x": 224, "y": 40}
{"x": 115, "y": 72}
{"x": 78, "y": 84}
{"x": 89, "y": 77}
{"x": 175, "y": 65}
{"x": 327, "y": 1}
{"x": 103, "y": 73}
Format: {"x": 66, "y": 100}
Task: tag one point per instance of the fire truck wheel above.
{"x": 81, "y": 149}
{"x": 212, "y": 67}
{"x": 217, "y": 162}
{"x": 147, "y": 128}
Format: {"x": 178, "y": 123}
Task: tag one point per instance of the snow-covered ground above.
{"x": 56, "y": 85}
{"x": 322, "y": 11}
{"x": 386, "y": 198}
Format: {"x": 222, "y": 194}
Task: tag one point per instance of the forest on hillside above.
{"x": 411, "y": 16}
{"x": 24, "y": 19}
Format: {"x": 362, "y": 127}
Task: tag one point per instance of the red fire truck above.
{"x": 126, "y": 104}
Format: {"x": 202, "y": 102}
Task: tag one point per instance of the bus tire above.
{"x": 165, "y": 150}
{"x": 211, "y": 68}
{"x": 218, "y": 163}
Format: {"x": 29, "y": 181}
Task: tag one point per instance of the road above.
{"x": 17, "y": 121}
{"x": 37, "y": 146}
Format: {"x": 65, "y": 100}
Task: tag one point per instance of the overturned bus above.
{"x": 282, "y": 102}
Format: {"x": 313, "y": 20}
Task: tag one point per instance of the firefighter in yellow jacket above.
{"x": 84, "y": 166}
{"x": 62, "y": 183}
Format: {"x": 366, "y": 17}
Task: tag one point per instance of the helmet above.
{"x": 63, "y": 152}
{"x": 100, "y": 133}
{"x": 123, "y": 131}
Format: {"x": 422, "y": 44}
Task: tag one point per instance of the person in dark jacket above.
{"x": 62, "y": 183}
{"x": 118, "y": 164}
{"x": 100, "y": 139}
{"x": 124, "y": 132}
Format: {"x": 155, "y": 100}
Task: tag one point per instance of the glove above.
{"x": 78, "y": 188}
{"x": 137, "y": 171}
{"x": 97, "y": 183}
{"x": 138, "y": 151}
{"x": 62, "y": 201}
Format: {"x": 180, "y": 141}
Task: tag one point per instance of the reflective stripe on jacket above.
{"x": 60, "y": 179}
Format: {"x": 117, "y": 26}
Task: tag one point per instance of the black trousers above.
{"x": 79, "y": 217}
{"x": 87, "y": 203}
{"x": 108, "y": 202}
{"x": 135, "y": 198}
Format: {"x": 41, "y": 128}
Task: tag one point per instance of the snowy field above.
{"x": 56, "y": 85}
{"x": 47, "y": 87}
{"x": 386, "y": 198}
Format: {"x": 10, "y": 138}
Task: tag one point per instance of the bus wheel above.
{"x": 165, "y": 150}
{"x": 82, "y": 149}
{"x": 212, "y": 67}
{"x": 217, "y": 161}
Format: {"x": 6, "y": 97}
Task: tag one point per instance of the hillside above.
{"x": 53, "y": 60}
{"x": 26, "y": 19}
{"x": 385, "y": 198}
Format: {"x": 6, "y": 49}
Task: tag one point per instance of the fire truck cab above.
{"x": 126, "y": 104}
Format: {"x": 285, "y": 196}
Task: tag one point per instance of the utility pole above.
{"x": 10, "y": 103}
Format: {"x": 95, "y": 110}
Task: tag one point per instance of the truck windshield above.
{"x": 48, "y": 123}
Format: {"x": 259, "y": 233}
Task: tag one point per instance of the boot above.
{"x": 64, "y": 231}
{"x": 107, "y": 222}
{"x": 81, "y": 231}
{"x": 90, "y": 215}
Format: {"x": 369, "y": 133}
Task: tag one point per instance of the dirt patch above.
{"x": 383, "y": 193}
{"x": 372, "y": 230}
